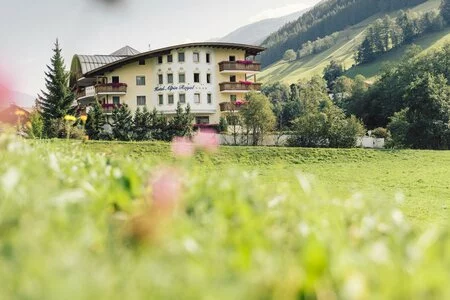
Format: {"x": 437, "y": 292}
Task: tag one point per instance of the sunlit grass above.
{"x": 82, "y": 221}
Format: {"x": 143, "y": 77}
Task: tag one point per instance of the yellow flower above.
{"x": 28, "y": 124}
{"x": 20, "y": 113}
{"x": 84, "y": 118}
{"x": 70, "y": 118}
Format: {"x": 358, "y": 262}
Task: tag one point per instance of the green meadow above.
{"x": 87, "y": 220}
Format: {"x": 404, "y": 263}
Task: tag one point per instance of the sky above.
{"x": 29, "y": 28}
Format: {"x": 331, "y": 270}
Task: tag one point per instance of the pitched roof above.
{"x": 125, "y": 51}
{"x": 91, "y": 62}
{"x": 249, "y": 50}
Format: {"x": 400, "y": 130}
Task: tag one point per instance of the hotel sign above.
{"x": 181, "y": 87}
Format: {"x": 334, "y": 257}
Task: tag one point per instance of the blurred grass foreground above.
{"x": 79, "y": 224}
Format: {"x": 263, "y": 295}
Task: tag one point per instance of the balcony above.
{"x": 244, "y": 66}
{"x": 81, "y": 94}
{"x": 231, "y": 106}
{"x": 236, "y": 87}
{"x": 109, "y": 108}
{"x": 111, "y": 89}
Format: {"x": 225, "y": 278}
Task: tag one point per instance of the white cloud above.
{"x": 282, "y": 11}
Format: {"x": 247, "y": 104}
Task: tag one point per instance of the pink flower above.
{"x": 207, "y": 140}
{"x": 5, "y": 94}
{"x": 182, "y": 147}
{"x": 239, "y": 102}
{"x": 166, "y": 186}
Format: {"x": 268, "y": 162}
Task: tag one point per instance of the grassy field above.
{"x": 422, "y": 176}
{"x": 110, "y": 220}
{"x": 344, "y": 50}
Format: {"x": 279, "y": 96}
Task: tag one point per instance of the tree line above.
{"x": 389, "y": 33}
{"x": 305, "y": 112}
{"x": 411, "y": 99}
{"x": 323, "y": 20}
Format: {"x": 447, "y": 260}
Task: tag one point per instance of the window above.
{"x": 197, "y": 98}
{"x": 142, "y": 62}
{"x": 208, "y": 58}
{"x": 233, "y": 98}
{"x": 196, "y": 57}
{"x": 169, "y": 58}
{"x": 197, "y": 77}
{"x": 170, "y": 78}
{"x": 209, "y": 98}
{"x": 202, "y": 120}
{"x": 160, "y": 79}
{"x": 233, "y": 78}
{"x": 171, "y": 99}
{"x": 116, "y": 100}
{"x": 115, "y": 79}
{"x": 181, "y": 57}
{"x": 182, "y": 98}
{"x": 160, "y": 99}
{"x": 160, "y": 59}
{"x": 232, "y": 58}
{"x": 141, "y": 100}
{"x": 140, "y": 80}
{"x": 208, "y": 78}
{"x": 181, "y": 78}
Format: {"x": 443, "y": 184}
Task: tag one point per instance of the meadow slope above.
{"x": 344, "y": 50}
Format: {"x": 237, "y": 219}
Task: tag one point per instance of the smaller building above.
{"x": 13, "y": 114}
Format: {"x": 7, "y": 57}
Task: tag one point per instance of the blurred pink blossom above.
{"x": 5, "y": 92}
{"x": 182, "y": 147}
{"x": 166, "y": 186}
{"x": 207, "y": 140}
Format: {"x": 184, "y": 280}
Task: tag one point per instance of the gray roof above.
{"x": 126, "y": 51}
{"x": 123, "y": 60}
{"x": 92, "y": 62}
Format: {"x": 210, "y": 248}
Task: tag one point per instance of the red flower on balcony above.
{"x": 239, "y": 103}
{"x": 114, "y": 85}
{"x": 246, "y": 82}
{"x": 110, "y": 105}
{"x": 245, "y": 62}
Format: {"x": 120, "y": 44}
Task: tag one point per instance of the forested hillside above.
{"x": 343, "y": 46}
{"x": 323, "y": 20}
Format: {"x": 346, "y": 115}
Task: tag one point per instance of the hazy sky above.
{"x": 28, "y": 28}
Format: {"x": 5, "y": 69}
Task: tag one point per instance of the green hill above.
{"x": 344, "y": 50}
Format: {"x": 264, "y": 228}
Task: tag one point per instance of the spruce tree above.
{"x": 445, "y": 10}
{"x": 95, "y": 122}
{"x": 122, "y": 127}
{"x": 56, "y": 102}
{"x": 142, "y": 125}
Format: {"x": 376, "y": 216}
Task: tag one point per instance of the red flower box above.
{"x": 246, "y": 82}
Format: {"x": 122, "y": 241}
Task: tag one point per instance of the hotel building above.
{"x": 207, "y": 76}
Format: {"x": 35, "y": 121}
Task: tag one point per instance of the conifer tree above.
{"x": 56, "y": 102}
{"x": 122, "y": 127}
{"x": 445, "y": 10}
{"x": 95, "y": 122}
{"x": 142, "y": 125}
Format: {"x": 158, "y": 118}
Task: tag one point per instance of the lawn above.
{"x": 110, "y": 220}
{"x": 421, "y": 176}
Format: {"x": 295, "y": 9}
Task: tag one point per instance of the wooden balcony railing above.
{"x": 81, "y": 94}
{"x": 247, "y": 66}
{"x": 109, "y": 108}
{"x": 231, "y": 106}
{"x": 111, "y": 88}
{"x": 240, "y": 86}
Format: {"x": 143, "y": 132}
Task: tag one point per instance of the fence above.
{"x": 281, "y": 140}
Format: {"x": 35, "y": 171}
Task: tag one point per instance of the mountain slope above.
{"x": 256, "y": 33}
{"x": 325, "y": 19}
{"x": 344, "y": 50}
